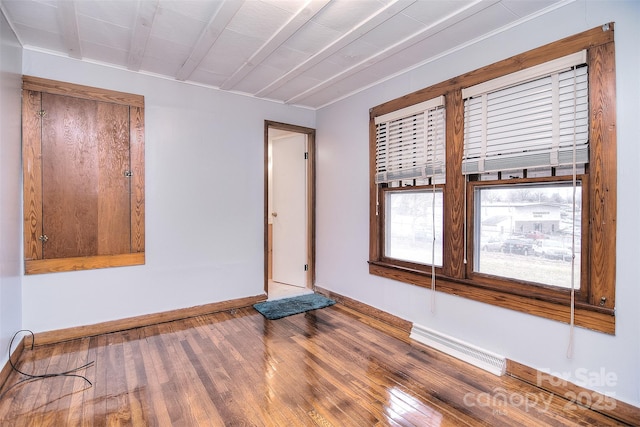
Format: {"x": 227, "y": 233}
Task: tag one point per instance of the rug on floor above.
{"x": 278, "y": 309}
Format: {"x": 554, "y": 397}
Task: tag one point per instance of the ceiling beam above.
{"x": 68, "y": 22}
{"x": 381, "y": 15}
{"x": 309, "y": 9}
{"x": 141, "y": 31}
{"x": 214, "y": 28}
{"x": 441, "y": 24}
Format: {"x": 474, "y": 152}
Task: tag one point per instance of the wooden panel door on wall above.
{"x": 83, "y": 177}
{"x": 86, "y": 190}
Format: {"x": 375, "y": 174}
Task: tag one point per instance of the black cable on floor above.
{"x": 35, "y": 377}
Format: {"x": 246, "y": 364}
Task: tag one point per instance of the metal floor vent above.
{"x": 469, "y": 353}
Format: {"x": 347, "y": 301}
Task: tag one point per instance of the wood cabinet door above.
{"x": 85, "y": 182}
{"x": 83, "y": 177}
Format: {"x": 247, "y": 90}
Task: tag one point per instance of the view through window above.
{"x": 529, "y": 232}
{"x": 413, "y": 218}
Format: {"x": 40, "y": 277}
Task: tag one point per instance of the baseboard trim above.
{"x": 60, "y": 335}
{"x": 6, "y": 370}
{"x": 382, "y": 316}
{"x": 575, "y": 394}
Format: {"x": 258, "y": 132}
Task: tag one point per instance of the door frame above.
{"x": 311, "y": 198}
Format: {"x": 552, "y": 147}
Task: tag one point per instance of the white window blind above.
{"x": 410, "y": 143}
{"x": 529, "y": 119}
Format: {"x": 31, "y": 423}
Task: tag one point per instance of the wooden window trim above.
{"x": 32, "y": 183}
{"x": 599, "y": 187}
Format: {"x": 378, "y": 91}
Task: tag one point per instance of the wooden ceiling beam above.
{"x": 447, "y": 21}
{"x": 141, "y": 31}
{"x": 309, "y": 9}
{"x": 214, "y": 28}
{"x": 68, "y": 22}
{"x": 378, "y": 17}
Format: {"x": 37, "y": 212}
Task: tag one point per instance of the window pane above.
{"x": 412, "y": 217}
{"x": 527, "y": 232}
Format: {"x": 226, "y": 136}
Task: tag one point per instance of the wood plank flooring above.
{"x": 329, "y": 367}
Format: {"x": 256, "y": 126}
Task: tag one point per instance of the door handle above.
{"x": 274, "y": 214}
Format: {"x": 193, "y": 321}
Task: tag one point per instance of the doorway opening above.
{"x": 289, "y": 211}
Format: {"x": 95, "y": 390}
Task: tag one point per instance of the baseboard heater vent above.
{"x": 469, "y": 353}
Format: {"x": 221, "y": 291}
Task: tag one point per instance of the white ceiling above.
{"x": 301, "y": 52}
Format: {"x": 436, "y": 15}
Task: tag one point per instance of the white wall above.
{"x": 204, "y": 202}
{"x": 343, "y": 217}
{"x": 10, "y": 187}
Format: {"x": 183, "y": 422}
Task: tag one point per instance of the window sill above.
{"x": 39, "y": 266}
{"x": 586, "y": 316}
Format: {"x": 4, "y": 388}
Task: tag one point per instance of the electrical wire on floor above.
{"x": 27, "y": 377}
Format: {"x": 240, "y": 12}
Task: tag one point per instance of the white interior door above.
{"x": 288, "y": 215}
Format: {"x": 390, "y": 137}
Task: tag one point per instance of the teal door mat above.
{"x": 278, "y": 309}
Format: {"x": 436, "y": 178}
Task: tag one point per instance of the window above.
{"x": 410, "y": 166}
{"x": 529, "y": 232}
{"x": 413, "y": 226}
{"x": 521, "y": 213}
{"x": 531, "y": 120}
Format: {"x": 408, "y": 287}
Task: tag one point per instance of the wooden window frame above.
{"x": 409, "y": 265}
{"x": 32, "y": 179}
{"x": 595, "y": 300}
{"x": 520, "y": 287}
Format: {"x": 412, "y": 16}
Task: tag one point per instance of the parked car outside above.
{"x": 552, "y": 249}
{"x": 492, "y": 244}
{"x": 535, "y": 235}
{"x": 517, "y": 245}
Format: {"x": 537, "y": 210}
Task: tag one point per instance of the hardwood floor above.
{"x": 329, "y": 367}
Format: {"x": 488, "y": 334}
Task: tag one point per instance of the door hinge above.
{"x": 43, "y": 238}
{"x": 306, "y": 155}
{"x": 306, "y": 267}
{"x": 128, "y": 174}
{"x": 42, "y": 113}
